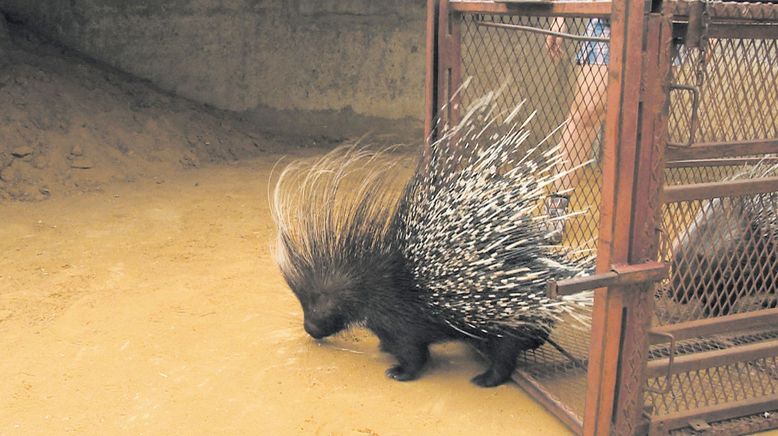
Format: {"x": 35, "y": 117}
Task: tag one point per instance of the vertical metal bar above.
{"x": 430, "y": 79}
{"x": 442, "y": 70}
{"x": 632, "y": 179}
{"x": 449, "y": 63}
{"x": 455, "y": 64}
{"x": 443, "y": 61}
{"x": 646, "y": 218}
{"x": 607, "y": 311}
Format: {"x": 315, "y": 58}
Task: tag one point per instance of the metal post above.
{"x": 449, "y": 64}
{"x": 431, "y": 78}
{"x": 632, "y": 183}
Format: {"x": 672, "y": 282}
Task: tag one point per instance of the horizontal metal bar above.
{"x": 714, "y": 326}
{"x": 709, "y": 359}
{"x": 752, "y": 12}
{"x": 743, "y": 31}
{"x": 713, "y": 150}
{"x": 620, "y": 275}
{"x": 556, "y": 407}
{"x": 727, "y": 188}
{"x": 668, "y": 385}
{"x": 543, "y": 31}
{"x": 573, "y": 9}
{"x": 730, "y": 30}
{"x": 722, "y": 162}
{"x": 711, "y": 414}
{"x": 580, "y": 284}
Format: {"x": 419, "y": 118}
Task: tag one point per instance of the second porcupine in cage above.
{"x": 727, "y": 259}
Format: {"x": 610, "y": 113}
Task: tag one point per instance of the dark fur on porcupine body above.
{"x": 458, "y": 254}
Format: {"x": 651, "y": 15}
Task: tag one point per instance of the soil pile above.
{"x": 69, "y": 124}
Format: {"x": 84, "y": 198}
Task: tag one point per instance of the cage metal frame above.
{"x": 636, "y": 153}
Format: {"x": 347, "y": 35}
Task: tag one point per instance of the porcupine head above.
{"x": 334, "y": 245}
{"x": 457, "y": 254}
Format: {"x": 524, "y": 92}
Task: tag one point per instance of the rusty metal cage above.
{"x": 671, "y": 111}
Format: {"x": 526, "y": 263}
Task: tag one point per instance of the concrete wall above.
{"x": 346, "y": 60}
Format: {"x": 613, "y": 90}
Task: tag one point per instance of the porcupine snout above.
{"x": 320, "y": 325}
{"x": 325, "y": 302}
{"x": 321, "y": 329}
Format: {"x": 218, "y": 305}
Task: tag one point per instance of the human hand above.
{"x": 555, "y": 46}
{"x": 554, "y": 43}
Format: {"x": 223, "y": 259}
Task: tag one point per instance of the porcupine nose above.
{"x": 313, "y": 330}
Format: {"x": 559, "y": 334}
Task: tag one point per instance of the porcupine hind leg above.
{"x": 502, "y": 353}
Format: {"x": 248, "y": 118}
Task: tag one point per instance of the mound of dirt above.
{"x": 69, "y": 124}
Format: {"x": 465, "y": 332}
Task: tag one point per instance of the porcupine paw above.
{"x": 490, "y": 379}
{"x": 399, "y": 373}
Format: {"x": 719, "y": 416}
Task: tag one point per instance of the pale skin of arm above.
{"x": 586, "y": 113}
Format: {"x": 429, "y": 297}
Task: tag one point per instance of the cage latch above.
{"x": 695, "y": 117}
{"x": 619, "y": 275}
{"x": 696, "y": 38}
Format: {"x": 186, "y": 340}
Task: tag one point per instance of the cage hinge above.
{"x": 694, "y": 30}
{"x": 668, "y": 385}
{"x": 619, "y": 275}
{"x": 699, "y": 424}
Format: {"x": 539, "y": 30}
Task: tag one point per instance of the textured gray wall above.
{"x": 268, "y": 57}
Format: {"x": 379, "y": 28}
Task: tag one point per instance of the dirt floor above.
{"x": 137, "y": 291}
{"x": 154, "y": 308}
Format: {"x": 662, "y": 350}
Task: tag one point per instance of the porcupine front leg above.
{"x": 410, "y": 356}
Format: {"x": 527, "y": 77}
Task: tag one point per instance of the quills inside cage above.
{"x": 722, "y": 261}
{"x": 476, "y": 209}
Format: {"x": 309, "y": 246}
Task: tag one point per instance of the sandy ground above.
{"x": 154, "y": 308}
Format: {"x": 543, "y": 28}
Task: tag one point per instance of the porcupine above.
{"x": 729, "y": 251}
{"x": 458, "y": 254}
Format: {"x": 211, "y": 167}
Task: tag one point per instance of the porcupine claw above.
{"x": 490, "y": 379}
{"x": 411, "y": 359}
{"x": 502, "y": 353}
{"x": 399, "y": 373}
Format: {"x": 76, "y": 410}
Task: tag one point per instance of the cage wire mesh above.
{"x": 738, "y": 83}
{"x": 561, "y": 90}
{"x": 722, "y": 252}
{"x": 706, "y": 387}
{"x": 555, "y": 88}
{"x": 738, "y": 100}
